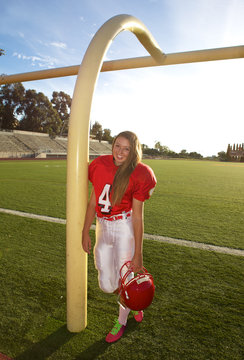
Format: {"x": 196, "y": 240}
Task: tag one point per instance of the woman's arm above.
{"x": 138, "y": 226}
{"x": 90, "y": 214}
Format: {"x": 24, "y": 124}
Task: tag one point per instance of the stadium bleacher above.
{"x": 25, "y": 144}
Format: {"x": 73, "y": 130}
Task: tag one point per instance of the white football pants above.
{"x": 115, "y": 245}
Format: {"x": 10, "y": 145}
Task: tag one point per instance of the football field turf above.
{"x": 193, "y": 200}
{"x": 197, "y": 309}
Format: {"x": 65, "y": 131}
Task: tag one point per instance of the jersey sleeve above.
{"x": 145, "y": 182}
{"x": 91, "y": 170}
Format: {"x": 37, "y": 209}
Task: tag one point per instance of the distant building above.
{"x": 235, "y": 152}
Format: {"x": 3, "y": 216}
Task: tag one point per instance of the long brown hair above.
{"x": 121, "y": 179}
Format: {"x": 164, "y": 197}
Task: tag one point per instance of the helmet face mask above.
{"x": 137, "y": 292}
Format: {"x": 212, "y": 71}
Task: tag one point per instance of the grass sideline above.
{"x": 194, "y": 200}
{"x": 196, "y": 313}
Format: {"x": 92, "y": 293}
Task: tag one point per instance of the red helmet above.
{"x": 137, "y": 292}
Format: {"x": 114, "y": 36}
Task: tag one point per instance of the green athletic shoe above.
{"x": 138, "y": 315}
{"x": 116, "y": 332}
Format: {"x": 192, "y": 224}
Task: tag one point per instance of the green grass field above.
{"x": 194, "y": 200}
{"x": 197, "y": 312}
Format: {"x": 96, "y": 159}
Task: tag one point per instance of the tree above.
{"x": 195, "y": 155}
{"x": 172, "y": 154}
{"x": 165, "y": 150}
{"x": 158, "y": 146}
{"x": 162, "y": 149}
{"x": 183, "y": 154}
{"x": 39, "y": 114}
{"x": 2, "y": 52}
{"x": 97, "y": 131}
{"x": 107, "y": 136}
{"x": 11, "y": 105}
{"x": 222, "y": 156}
{"x": 150, "y": 151}
{"x": 62, "y": 104}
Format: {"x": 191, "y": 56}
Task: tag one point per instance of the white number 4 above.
{"x": 103, "y": 200}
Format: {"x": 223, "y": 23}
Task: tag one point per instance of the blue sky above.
{"x": 197, "y": 107}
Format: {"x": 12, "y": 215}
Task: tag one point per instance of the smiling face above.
{"x": 121, "y": 150}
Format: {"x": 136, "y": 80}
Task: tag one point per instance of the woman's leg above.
{"x": 104, "y": 256}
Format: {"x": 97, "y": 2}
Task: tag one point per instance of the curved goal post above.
{"x": 78, "y": 157}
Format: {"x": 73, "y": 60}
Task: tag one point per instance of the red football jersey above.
{"x": 101, "y": 174}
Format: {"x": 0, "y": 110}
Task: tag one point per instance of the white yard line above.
{"x": 33, "y": 216}
{"x": 193, "y": 244}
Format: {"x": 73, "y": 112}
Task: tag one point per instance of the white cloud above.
{"x": 41, "y": 61}
{"x": 24, "y": 57}
{"x": 58, "y": 44}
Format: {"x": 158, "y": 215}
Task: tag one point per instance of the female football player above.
{"x": 121, "y": 184}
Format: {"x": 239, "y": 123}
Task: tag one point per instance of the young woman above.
{"x": 121, "y": 184}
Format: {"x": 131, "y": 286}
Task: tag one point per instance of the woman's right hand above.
{"x": 86, "y": 243}
{"x": 90, "y": 214}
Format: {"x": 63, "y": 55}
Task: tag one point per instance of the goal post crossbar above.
{"x": 225, "y": 53}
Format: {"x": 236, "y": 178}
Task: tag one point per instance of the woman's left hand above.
{"x": 137, "y": 263}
